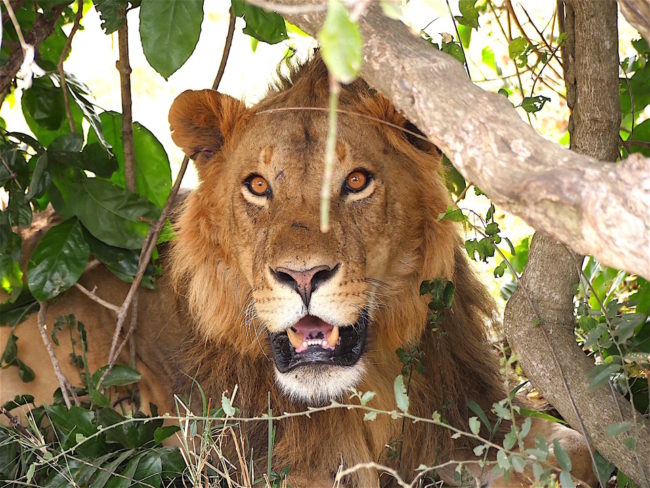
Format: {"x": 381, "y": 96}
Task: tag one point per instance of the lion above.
{"x": 255, "y": 295}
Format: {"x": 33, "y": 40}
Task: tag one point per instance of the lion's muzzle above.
{"x": 312, "y": 341}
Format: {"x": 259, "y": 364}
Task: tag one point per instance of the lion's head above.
{"x": 251, "y": 259}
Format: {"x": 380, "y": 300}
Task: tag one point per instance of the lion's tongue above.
{"x": 312, "y": 331}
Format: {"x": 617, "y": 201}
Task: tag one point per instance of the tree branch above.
{"x": 64, "y": 383}
{"x": 637, "y": 13}
{"x": 124, "y": 67}
{"x": 596, "y": 208}
{"x": 547, "y": 286}
{"x": 41, "y": 30}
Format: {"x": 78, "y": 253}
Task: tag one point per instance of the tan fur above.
{"x": 386, "y": 245}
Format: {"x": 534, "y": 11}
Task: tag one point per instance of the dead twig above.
{"x": 64, "y": 383}
{"x": 93, "y": 296}
{"x": 64, "y": 54}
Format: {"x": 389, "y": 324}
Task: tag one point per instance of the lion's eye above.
{"x": 257, "y": 185}
{"x": 357, "y": 181}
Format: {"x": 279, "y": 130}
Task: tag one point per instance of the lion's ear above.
{"x": 202, "y": 120}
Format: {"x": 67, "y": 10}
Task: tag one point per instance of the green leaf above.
{"x": 113, "y": 215}
{"x": 469, "y": 14}
{"x": 119, "y": 375}
{"x": 500, "y": 269}
{"x": 604, "y": 468}
{"x": 11, "y": 350}
{"x": 502, "y": 460}
{"x": 25, "y": 373}
{"x": 18, "y": 401}
{"x": 518, "y": 463}
{"x": 612, "y": 430}
{"x": 261, "y": 25}
{"x": 366, "y": 397}
{"x": 108, "y": 470}
{"x": 401, "y": 397}
{"x": 599, "y": 374}
{"x": 509, "y": 441}
{"x": 628, "y": 322}
{"x": 487, "y": 56}
{"x": 474, "y": 425}
{"x": 566, "y": 481}
{"x": 454, "y": 214}
{"x": 44, "y": 103}
{"x": 44, "y": 112}
{"x": 149, "y": 470}
{"x": 476, "y": 408}
{"x": 162, "y": 433}
{"x": 123, "y": 263}
{"x": 562, "y": 456}
{"x": 169, "y": 30}
{"x": 58, "y": 260}
{"x": 534, "y": 104}
{"x": 341, "y": 44}
{"x": 152, "y": 171}
{"x": 76, "y": 420}
{"x": 226, "y": 405}
{"x": 455, "y": 50}
{"x": 516, "y": 47}
{"x": 369, "y": 416}
{"x": 14, "y": 313}
{"x": 529, "y": 412}
{"x": 111, "y": 13}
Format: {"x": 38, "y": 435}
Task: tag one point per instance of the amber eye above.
{"x": 357, "y": 181}
{"x": 257, "y": 185}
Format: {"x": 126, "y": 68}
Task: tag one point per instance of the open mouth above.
{"x": 313, "y": 341}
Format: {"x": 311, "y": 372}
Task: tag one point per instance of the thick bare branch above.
{"x": 637, "y": 13}
{"x": 596, "y": 208}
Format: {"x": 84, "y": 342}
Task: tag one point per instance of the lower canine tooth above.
{"x": 294, "y": 338}
{"x": 333, "y": 338}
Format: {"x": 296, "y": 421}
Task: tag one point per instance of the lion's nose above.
{"x": 305, "y": 282}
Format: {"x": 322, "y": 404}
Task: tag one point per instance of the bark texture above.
{"x": 595, "y": 208}
{"x": 637, "y": 13}
{"x": 545, "y": 296}
{"x": 41, "y": 30}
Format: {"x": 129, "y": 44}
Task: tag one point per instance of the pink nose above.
{"x": 304, "y": 282}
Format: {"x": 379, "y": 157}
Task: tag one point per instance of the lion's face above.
{"x": 313, "y": 296}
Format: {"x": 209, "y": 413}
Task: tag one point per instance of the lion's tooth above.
{"x": 333, "y": 337}
{"x": 294, "y": 338}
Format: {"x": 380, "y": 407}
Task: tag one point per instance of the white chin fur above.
{"x": 319, "y": 384}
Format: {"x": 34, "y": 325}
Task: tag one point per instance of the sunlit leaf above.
{"x": 169, "y": 30}
{"x": 341, "y": 45}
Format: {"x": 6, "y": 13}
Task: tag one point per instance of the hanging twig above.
{"x": 226, "y": 51}
{"x": 330, "y": 156}
{"x": 64, "y": 54}
{"x": 64, "y": 383}
{"x": 91, "y": 294}
{"x": 147, "y": 251}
